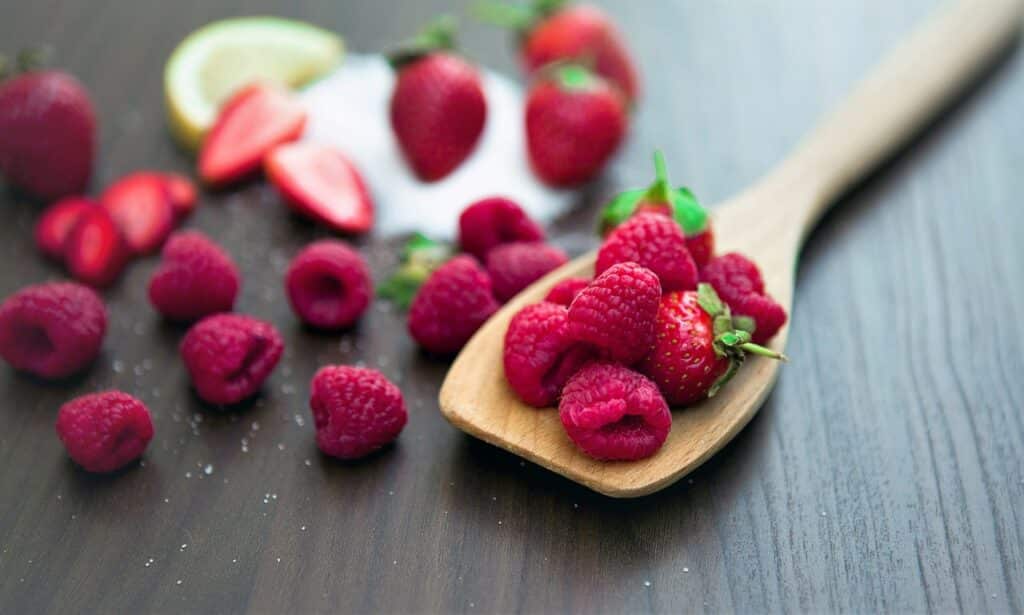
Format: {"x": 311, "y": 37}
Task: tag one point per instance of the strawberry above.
{"x": 550, "y": 32}
{"x": 56, "y": 223}
{"x": 438, "y": 109}
{"x": 251, "y": 123}
{"x": 697, "y": 346}
{"x": 677, "y": 203}
{"x": 140, "y": 204}
{"x": 181, "y": 192}
{"x": 319, "y": 182}
{"x": 47, "y": 134}
{"x": 574, "y": 123}
{"x": 95, "y": 252}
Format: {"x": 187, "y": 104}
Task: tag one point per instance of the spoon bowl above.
{"x": 767, "y": 222}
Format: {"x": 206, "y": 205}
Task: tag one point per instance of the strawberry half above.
{"x": 140, "y": 204}
{"x": 319, "y": 182}
{"x": 56, "y": 223}
{"x": 438, "y": 109}
{"x": 253, "y": 121}
{"x": 95, "y": 252}
{"x": 181, "y": 192}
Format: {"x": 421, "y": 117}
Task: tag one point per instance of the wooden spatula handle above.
{"x": 893, "y": 102}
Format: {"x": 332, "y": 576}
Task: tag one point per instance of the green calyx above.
{"x": 732, "y": 336}
{"x": 519, "y": 17}
{"x": 680, "y": 201}
{"x": 437, "y": 35}
{"x": 571, "y": 76}
{"x": 28, "y": 59}
{"x": 420, "y": 257}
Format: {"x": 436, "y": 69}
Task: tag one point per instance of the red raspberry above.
{"x": 612, "y": 412}
{"x": 514, "y": 266}
{"x": 196, "y": 278}
{"x": 104, "y": 431}
{"x": 733, "y": 276}
{"x": 493, "y": 221}
{"x": 328, "y": 285}
{"x": 451, "y": 305}
{"x": 737, "y": 280}
{"x": 767, "y": 314}
{"x": 653, "y": 241}
{"x": 565, "y": 291}
{"x": 356, "y": 410}
{"x": 616, "y": 312}
{"x": 229, "y": 356}
{"x": 52, "y": 330}
{"x": 539, "y": 354}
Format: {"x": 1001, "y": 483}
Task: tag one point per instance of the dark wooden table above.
{"x": 884, "y": 473}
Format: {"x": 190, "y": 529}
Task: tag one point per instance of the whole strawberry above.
{"x": 438, "y": 107}
{"x": 549, "y": 32}
{"x": 575, "y": 121}
{"x": 47, "y": 134}
{"x": 697, "y": 347}
{"x": 677, "y": 203}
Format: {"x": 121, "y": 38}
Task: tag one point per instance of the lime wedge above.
{"x": 217, "y": 59}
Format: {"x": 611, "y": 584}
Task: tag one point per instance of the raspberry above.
{"x": 493, "y": 221}
{"x": 196, "y": 278}
{"x": 52, "y": 330}
{"x": 733, "y": 276}
{"x": 565, "y": 291}
{"x": 616, "y": 312}
{"x": 653, "y": 241}
{"x": 767, "y": 314}
{"x": 451, "y": 305}
{"x": 539, "y": 354}
{"x": 356, "y": 410}
{"x": 612, "y": 412}
{"x": 328, "y": 285}
{"x": 738, "y": 282}
{"x": 514, "y": 266}
{"x": 229, "y": 356}
{"x": 104, "y": 431}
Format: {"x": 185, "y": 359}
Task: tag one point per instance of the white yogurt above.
{"x": 349, "y": 109}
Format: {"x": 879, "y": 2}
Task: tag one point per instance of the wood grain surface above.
{"x": 885, "y": 472}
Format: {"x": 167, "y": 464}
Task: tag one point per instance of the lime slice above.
{"x": 217, "y": 59}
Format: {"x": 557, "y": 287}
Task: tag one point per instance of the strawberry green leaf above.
{"x": 420, "y": 257}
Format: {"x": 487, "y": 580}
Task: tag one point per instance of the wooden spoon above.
{"x": 769, "y": 222}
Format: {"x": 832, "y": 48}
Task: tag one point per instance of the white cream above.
{"x": 349, "y": 109}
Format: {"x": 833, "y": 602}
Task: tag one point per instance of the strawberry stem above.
{"x": 761, "y": 351}
{"x": 505, "y": 15}
{"x": 437, "y": 35}
{"x": 518, "y": 17}
{"x": 661, "y": 190}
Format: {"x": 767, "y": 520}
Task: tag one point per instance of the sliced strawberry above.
{"x": 181, "y": 192}
{"x": 141, "y": 206}
{"x": 250, "y": 124}
{"x": 318, "y": 181}
{"x": 95, "y": 252}
{"x": 57, "y": 221}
